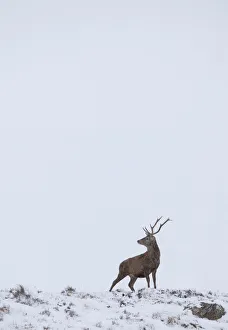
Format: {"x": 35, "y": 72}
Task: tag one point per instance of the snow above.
{"x": 146, "y": 309}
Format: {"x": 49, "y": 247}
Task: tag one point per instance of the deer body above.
{"x": 143, "y": 265}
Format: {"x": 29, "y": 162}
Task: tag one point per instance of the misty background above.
{"x": 113, "y": 113}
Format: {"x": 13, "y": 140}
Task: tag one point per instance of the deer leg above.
{"x": 117, "y": 280}
{"x": 154, "y": 278}
{"x": 148, "y": 280}
{"x": 132, "y": 282}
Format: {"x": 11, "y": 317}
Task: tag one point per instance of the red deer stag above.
{"x": 144, "y": 264}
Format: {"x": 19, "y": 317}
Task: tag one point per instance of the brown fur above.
{"x": 143, "y": 265}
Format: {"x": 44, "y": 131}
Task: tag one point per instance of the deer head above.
{"x": 149, "y": 239}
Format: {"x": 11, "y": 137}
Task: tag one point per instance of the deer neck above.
{"x": 153, "y": 250}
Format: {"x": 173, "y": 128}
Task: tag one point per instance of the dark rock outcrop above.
{"x": 208, "y": 311}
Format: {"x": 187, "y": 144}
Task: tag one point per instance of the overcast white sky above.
{"x": 113, "y": 113}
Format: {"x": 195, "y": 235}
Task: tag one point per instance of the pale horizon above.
{"x": 113, "y": 114}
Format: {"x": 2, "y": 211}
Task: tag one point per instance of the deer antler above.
{"x": 152, "y": 228}
{"x": 162, "y": 225}
{"x": 146, "y": 231}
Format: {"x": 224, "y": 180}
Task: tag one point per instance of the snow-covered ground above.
{"x": 146, "y": 309}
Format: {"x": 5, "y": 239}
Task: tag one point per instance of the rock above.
{"x": 208, "y": 311}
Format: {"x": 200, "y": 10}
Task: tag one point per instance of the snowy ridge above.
{"x": 146, "y": 309}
